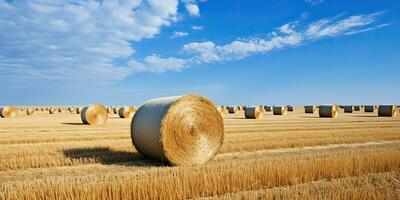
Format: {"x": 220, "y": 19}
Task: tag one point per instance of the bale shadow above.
{"x": 107, "y": 156}
{"x": 73, "y": 124}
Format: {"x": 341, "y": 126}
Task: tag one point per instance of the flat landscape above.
{"x": 296, "y": 156}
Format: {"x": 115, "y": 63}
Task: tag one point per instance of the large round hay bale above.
{"x": 268, "y": 108}
{"x": 310, "y": 109}
{"x": 330, "y": 111}
{"x": 53, "y": 110}
{"x": 357, "y": 108}
{"x": 253, "y": 112}
{"x": 126, "y": 112}
{"x": 232, "y": 109}
{"x": 387, "y": 110}
{"x": 30, "y": 111}
{"x": 348, "y": 109}
{"x": 369, "y": 108}
{"x": 279, "y": 110}
{"x": 8, "y": 111}
{"x": 290, "y": 108}
{"x": 181, "y": 130}
{"x": 94, "y": 114}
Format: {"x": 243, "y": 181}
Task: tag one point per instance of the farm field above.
{"x": 296, "y": 156}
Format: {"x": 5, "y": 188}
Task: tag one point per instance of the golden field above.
{"x": 297, "y": 156}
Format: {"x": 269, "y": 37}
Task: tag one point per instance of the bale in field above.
{"x": 79, "y": 110}
{"x": 220, "y": 109}
{"x": 253, "y": 112}
{"x": 279, "y": 110}
{"x": 348, "y": 109}
{"x": 369, "y": 108}
{"x": 268, "y": 108}
{"x": 182, "y": 130}
{"x": 290, "y": 108}
{"x": 94, "y": 114}
{"x": 310, "y": 109}
{"x": 109, "y": 110}
{"x": 30, "y": 111}
{"x": 126, "y": 112}
{"x": 387, "y": 110}
{"x": 357, "y": 108}
{"x": 116, "y": 110}
{"x": 8, "y": 111}
{"x": 232, "y": 109}
{"x": 330, "y": 111}
{"x": 53, "y": 110}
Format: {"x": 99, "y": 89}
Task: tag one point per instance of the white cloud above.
{"x": 197, "y": 28}
{"x": 192, "y": 8}
{"x": 179, "y": 34}
{"x": 59, "y": 40}
{"x": 287, "y": 35}
{"x": 155, "y": 63}
{"x": 314, "y": 2}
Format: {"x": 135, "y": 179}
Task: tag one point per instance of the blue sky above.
{"x": 234, "y": 52}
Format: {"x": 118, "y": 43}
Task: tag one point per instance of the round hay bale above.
{"x": 348, "y": 109}
{"x": 387, "y": 110}
{"x": 330, "y": 111}
{"x": 30, "y": 111}
{"x": 279, "y": 110}
{"x": 253, "y": 112}
{"x": 8, "y": 111}
{"x": 232, "y": 109}
{"x": 126, "y": 112}
{"x": 79, "y": 110}
{"x": 357, "y": 108}
{"x": 94, "y": 114}
{"x": 181, "y": 130}
{"x": 310, "y": 109}
{"x": 369, "y": 108}
{"x": 268, "y": 108}
{"x": 109, "y": 110}
{"x": 220, "y": 109}
{"x": 53, "y": 110}
{"x": 116, "y": 110}
{"x": 290, "y": 108}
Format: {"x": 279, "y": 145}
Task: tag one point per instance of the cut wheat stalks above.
{"x": 94, "y": 114}
{"x": 182, "y": 130}
{"x": 387, "y": 110}
{"x": 8, "y": 111}
{"x": 329, "y": 111}
{"x": 253, "y": 112}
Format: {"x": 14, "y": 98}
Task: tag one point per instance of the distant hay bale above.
{"x": 30, "y": 111}
{"x": 348, "y": 109}
{"x": 310, "y": 109}
{"x": 182, "y": 130}
{"x": 79, "y": 110}
{"x": 330, "y": 111}
{"x": 8, "y": 111}
{"x": 387, "y": 110}
{"x": 232, "y": 109}
{"x": 253, "y": 112}
{"x": 116, "y": 110}
{"x": 53, "y": 110}
{"x": 126, "y": 112}
{"x": 369, "y": 108}
{"x": 290, "y": 108}
{"x": 94, "y": 114}
{"x": 268, "y": 108}
{"x": 60, "y": 110}
{"x": 279, "y": 110}
{"x": 110, "y": 110}
{"x": 357, "y": 108}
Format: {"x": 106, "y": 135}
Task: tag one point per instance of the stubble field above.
{"x": 297, "y": 156}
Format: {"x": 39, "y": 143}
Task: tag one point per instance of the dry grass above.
{"x": 42, "y": 159}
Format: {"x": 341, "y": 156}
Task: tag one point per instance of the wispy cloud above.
{"x": 287, "y": 35}
{"x": 192, "y": 7}
{"x": 197, "y": 28}
{"x": 314, "y": 2}
{"x": 179, "y": 34}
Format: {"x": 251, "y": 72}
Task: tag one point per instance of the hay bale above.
{"x": 53, "y": 110}
{"x": 94, "y": 114}
{"x": 310, "y": 109}
{"x": 348, "y": 109}
{"x": 182, "y": 130}
{"x": 232, "y": 109}
{"x": 279, "y": 110}
{"x": 369, "y": 108}
{"x": 126, "y": 112}
{"x": 116, "y": 110}
{"x": 330, "y": 111}
{"x": 253, "y": 112}
{"x": 79, "y": 110}
{"x": 387, "y": 110}
{"x": 268, "y": 108}
{"x": 290, "y": 108}
{"x": 357, "y": 108}
{"x": 220, "y": 109}
{"x": 30, "y": 111}
{"x": 8, "y": 111}
{"x": 109, "y": 110}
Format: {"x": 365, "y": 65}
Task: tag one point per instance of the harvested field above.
{"x": 293, "y": 156}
